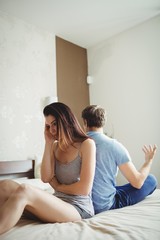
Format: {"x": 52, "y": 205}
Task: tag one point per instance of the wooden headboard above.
{"x": 17, "y": 169}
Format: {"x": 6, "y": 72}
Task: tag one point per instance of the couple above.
{"x": 77, "y": 164}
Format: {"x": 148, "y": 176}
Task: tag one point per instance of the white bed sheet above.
{"x": 138, "y": 222}
{"x": 36, "y": 182}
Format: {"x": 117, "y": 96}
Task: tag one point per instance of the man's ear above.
{"x": 84, "y": 125}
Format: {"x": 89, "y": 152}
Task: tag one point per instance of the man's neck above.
{"x": 94, "y": 129}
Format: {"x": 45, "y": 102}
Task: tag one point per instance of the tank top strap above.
{"x": 56, "y": 148}
{"x": 79, "y": 150}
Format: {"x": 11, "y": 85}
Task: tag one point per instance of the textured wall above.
{"x": 126, "y": 73}
{"x": 27, "y": 76}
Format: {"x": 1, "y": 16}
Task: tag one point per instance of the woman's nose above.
{"x": 50, "y": 130}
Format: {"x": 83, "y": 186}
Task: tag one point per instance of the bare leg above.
{"x": 7, "y": 187}
{"x": 45, "y": 206}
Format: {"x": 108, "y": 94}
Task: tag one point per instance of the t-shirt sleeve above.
{"x": 121, "y": 153}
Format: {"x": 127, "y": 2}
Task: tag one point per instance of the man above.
{"x": 111, "y": 155}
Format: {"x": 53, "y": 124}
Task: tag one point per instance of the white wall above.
{"x": 126, "y": 82}
{"x": 27, "y": 76}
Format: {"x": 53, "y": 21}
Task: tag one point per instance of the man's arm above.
{"x": 136, "y": 178}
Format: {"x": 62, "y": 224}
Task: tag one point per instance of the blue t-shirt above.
{"x": 109, "y": 155}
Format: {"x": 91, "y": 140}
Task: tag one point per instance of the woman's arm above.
{"x": 47, "y": 166}
{"x": 84, "y": 185}
{"x": 135, "y": 177}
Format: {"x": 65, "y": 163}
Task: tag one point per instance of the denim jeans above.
{"x": 127, "y": 195}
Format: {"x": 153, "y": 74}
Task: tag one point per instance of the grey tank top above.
{"x": 70, "y": 173}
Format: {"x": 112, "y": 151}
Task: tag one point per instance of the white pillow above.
{"x": 37, "y": 170}
{"x": 36, "y": 182}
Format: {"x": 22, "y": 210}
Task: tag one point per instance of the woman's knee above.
{"x": 23, "y": 189}
{"x": 21, "y": 193}
{"x": 7, "y": 187}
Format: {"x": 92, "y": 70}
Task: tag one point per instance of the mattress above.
{"x": 137, "y": 222}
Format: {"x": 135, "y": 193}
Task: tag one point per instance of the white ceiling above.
{"x": 83, "y": 22}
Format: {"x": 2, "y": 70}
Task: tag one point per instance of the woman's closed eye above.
{"x": 47, "y": 126}
{"x": 54, "y": 123}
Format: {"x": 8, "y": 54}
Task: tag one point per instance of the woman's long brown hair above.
{"x": 68, "y": 127}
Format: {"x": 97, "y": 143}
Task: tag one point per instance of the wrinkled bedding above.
{"x": 137, "y": 222}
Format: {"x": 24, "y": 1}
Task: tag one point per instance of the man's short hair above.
{"x": 94, "y": 116}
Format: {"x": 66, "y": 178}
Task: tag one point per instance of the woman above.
{"x": 68, "y": 164}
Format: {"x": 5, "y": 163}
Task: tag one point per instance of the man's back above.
{"x": 109, "y": 155}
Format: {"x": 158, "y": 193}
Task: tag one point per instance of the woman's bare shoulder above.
{"x": 88, "y": 142}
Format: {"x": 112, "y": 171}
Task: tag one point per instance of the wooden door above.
{"x": 72, "y": 70}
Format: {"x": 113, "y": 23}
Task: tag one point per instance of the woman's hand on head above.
{"x": 47, "y": 134}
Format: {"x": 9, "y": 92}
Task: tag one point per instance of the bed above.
{"x": 137, "y": 222}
